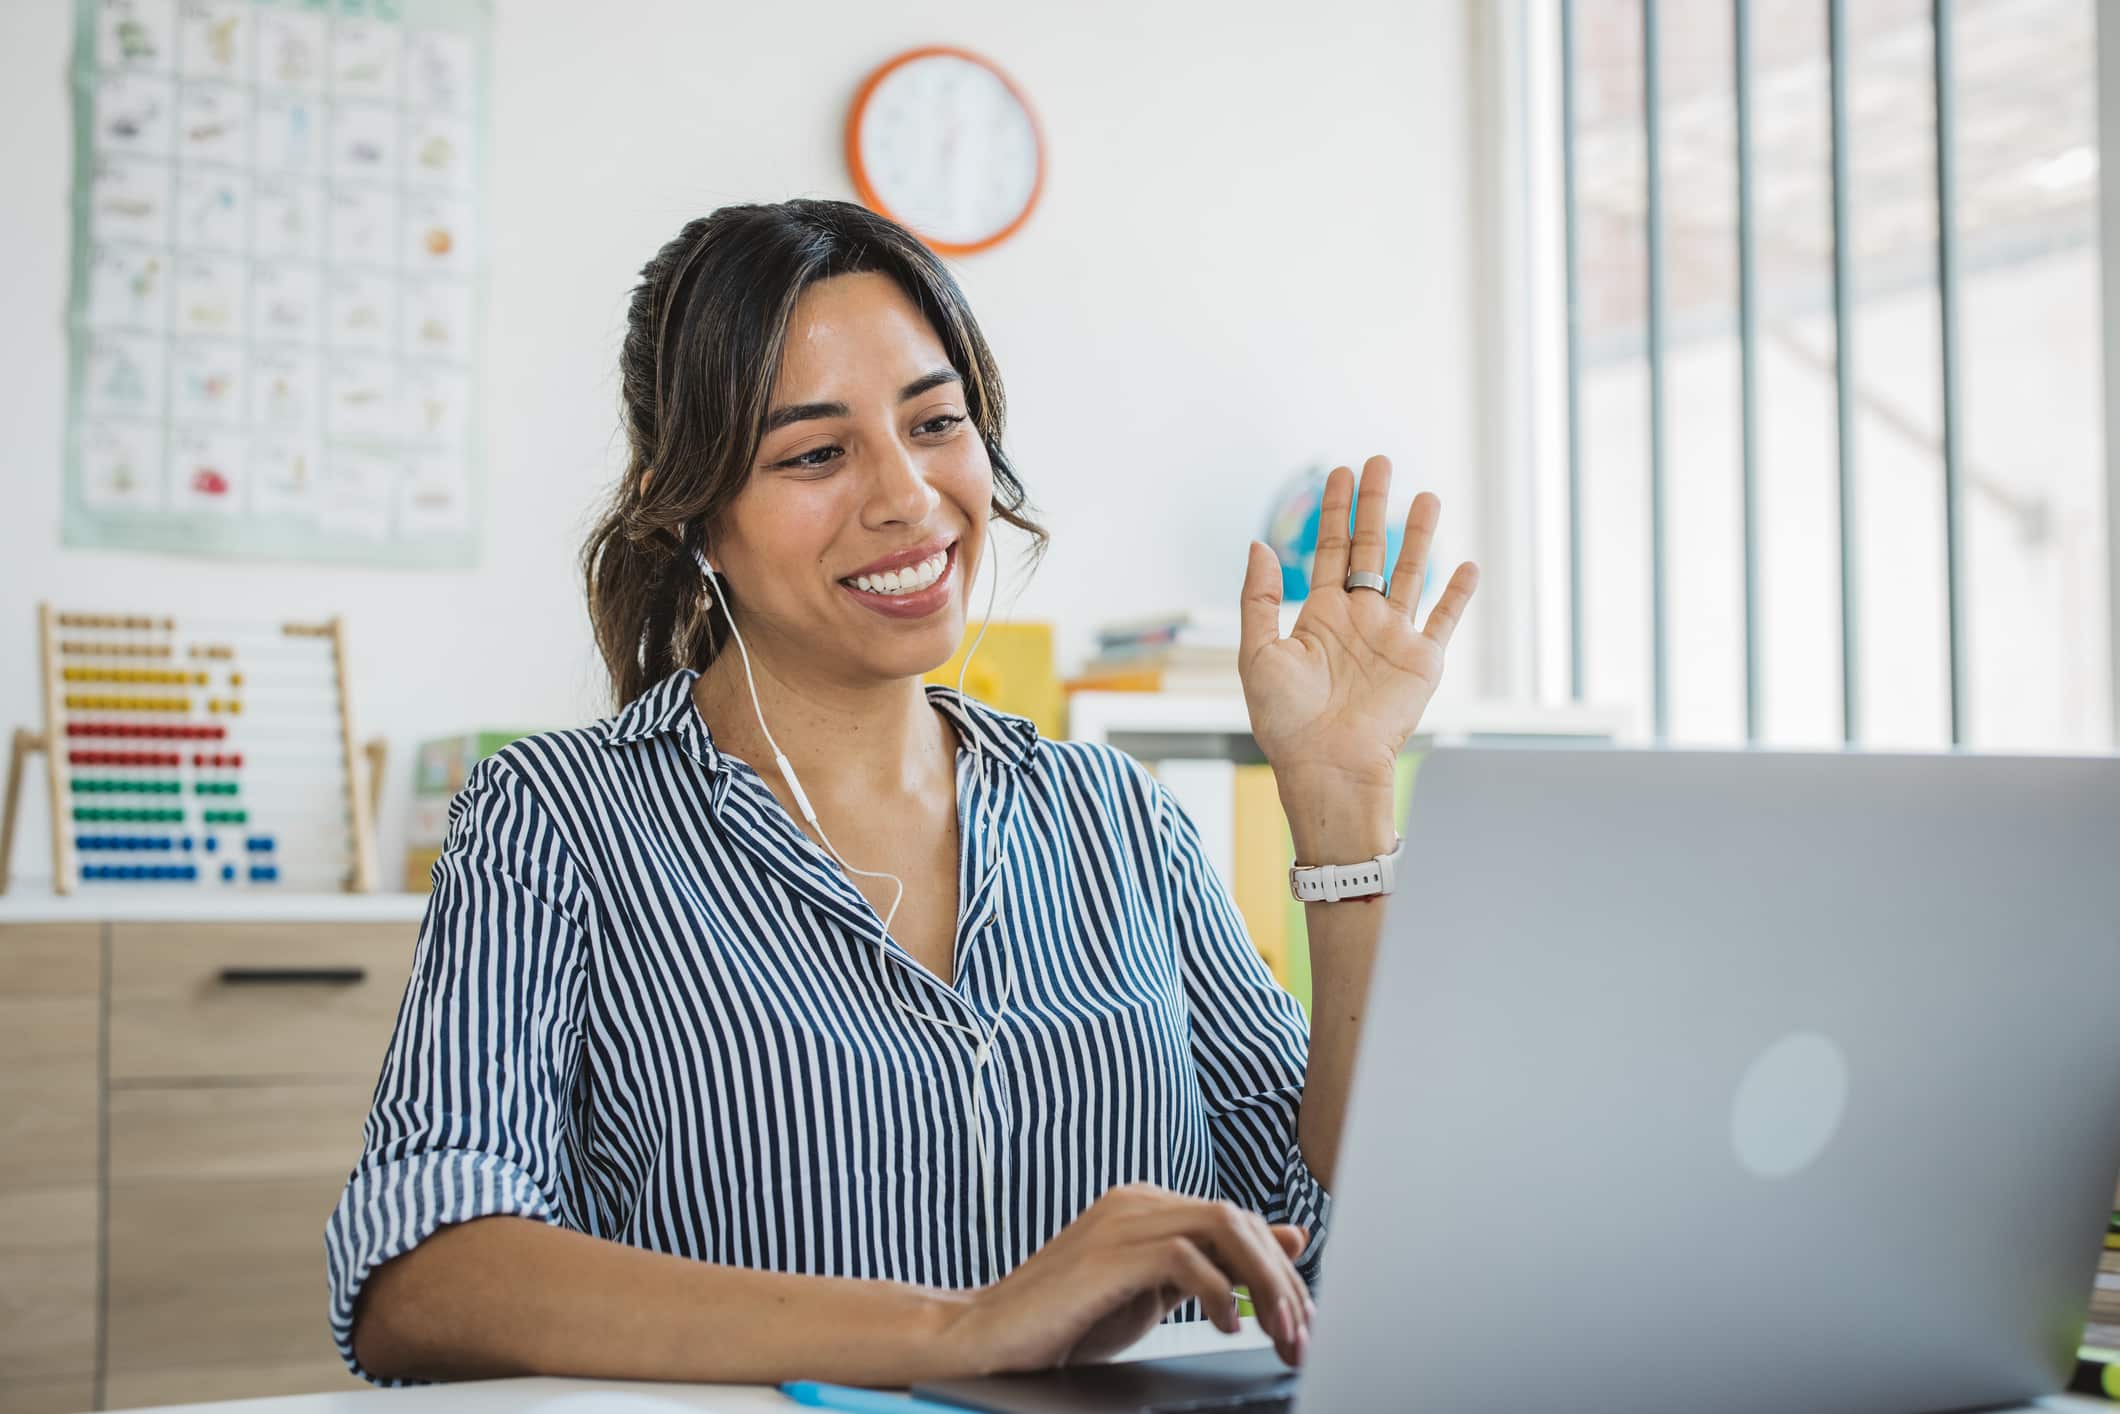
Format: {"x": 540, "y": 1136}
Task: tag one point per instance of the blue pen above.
{"x": 860, "y": 1401}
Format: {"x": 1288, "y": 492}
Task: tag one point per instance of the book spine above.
{"x": 1261, "y": 869}
{"x": 1296, "y": 930}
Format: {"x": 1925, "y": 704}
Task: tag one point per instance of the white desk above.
{"x": 540, "y": 1396}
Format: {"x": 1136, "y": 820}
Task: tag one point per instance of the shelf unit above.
{"x": 1164, "y": 725}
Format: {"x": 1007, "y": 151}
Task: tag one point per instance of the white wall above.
{"x": 1254, "y": 250}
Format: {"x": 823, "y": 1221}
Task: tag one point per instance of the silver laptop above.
{"x": 1720, "y": 1082}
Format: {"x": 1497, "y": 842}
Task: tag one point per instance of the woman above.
{"x": 799, "y": 1021}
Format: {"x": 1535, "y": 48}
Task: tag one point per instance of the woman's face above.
{"x": 853, "y": 545}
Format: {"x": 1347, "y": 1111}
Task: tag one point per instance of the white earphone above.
{"x": 982, "y": 1046}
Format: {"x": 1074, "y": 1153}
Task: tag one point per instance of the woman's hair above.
{"x": 704, "y": 335}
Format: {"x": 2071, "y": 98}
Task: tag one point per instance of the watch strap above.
{"x": 1329, "y": 883}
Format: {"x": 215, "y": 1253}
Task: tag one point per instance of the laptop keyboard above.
{"x": 1254, "y": 1403}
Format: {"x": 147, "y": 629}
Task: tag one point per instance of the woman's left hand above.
{"x": 1332, "y": 703}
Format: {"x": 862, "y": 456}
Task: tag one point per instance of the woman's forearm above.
{"x": 1336, "y": 822}
{"x": 1343, "y": 948}
{"x": 513, "y": 1296}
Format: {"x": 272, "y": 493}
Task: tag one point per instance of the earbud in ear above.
{"x": 706, "y": 567}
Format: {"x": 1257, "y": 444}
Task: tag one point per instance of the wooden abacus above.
{"x": 199, "y": 754}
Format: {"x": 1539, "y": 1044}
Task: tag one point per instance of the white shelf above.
{"x": 33, "y": 901}
{"x": 1099, "y": 716}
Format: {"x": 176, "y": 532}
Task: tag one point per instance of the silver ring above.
{"x": 1363, "y": 579}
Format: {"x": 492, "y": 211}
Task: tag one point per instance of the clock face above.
{"x": 947, "y": 148}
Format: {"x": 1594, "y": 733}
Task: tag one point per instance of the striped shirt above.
{"x": 646, "y": 1006}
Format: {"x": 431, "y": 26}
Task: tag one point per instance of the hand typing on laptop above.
{"x": 1131, "y": 1258}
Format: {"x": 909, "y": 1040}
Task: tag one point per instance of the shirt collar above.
{"x": 1004, "y": 736}
{"x": 666, "y": 709}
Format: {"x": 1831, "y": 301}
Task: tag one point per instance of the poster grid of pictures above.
{"x": 277, "y": 285}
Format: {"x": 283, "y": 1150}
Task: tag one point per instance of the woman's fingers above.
{"x": 1259, "y": 607}
{"x": 1138, "y": 1252}
{"x": 1328, "y": 569}
{"x": 1370, "y": 514}
{"x": 1247, "y": 1252}
{"x": 1246, "y": 1249}
{"x": 1293, "y": 1239}
{"x": 1450, "y": 604}
{"x": 1412, "y": 569}
{"x": 1178, "y": 1262}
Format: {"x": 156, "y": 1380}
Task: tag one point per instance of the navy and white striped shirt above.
{"x": 646, "y": 1006}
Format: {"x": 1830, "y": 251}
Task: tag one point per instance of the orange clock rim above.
{"x": 867, "y": 192}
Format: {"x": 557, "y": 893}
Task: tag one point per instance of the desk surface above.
{"x": 545, "y": 1396}
{"x": 541, "y": 1396}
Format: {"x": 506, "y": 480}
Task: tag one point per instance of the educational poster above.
{"x": 277, "y": 278}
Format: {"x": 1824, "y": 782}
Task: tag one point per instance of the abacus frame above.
{"x": 361, "y": 805}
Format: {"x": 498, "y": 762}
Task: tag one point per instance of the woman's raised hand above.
{"x": 1332, "y": 703}
{"x": 1135, "y": 1255}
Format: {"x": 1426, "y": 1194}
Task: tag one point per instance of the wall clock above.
{"x": 941, "y": 141}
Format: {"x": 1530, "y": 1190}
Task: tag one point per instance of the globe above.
{"x": 1292, "y": 532}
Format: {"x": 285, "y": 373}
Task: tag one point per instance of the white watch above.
{"x": 1329, "y": 883}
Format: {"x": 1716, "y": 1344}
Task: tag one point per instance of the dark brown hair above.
{"x": 704, "y": 335}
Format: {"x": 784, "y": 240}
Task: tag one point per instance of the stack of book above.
{"x": 2105, "y": 1292}
{"x": 1193, "y": 650}
{"x": 439, "y": 772}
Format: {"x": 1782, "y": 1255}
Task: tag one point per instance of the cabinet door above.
{"x": 242, "y": 1059}
{"x": 51, "y": 979}
{"x": 218, "y": 1197}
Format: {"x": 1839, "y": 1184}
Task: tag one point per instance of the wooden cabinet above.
{"x": 180, "y": 1104}
{"x": 51, "y": 989}
{"x": 67, "y": 1395}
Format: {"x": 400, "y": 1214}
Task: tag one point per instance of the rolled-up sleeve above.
{"x": 1250, "y": 1042}
{"x": 471, "y": 1113}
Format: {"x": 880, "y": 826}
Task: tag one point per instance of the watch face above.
{"x": 948, "y": 149}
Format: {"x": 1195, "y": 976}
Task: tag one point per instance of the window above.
{"x": 1815, "y": 386}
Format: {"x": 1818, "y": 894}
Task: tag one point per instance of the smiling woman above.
{"x": 679, "y": 1088}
